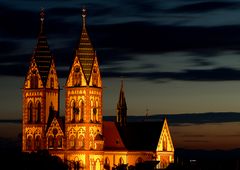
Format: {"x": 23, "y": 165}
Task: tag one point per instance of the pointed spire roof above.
{"x": 42, "y": 53}
{"x": 85, "y": 50}
{"x": 122, "y": 101}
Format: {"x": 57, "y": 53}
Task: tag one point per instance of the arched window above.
{"x": 77, "y": 77}
{"x": 74, "y": 111}
{"x": 121, "y": 161}
{"x": 29, "y": 143}
{"x": 59, "y": 142}
{"x": 81, "y": 142}
{"x": 38, "y": 143}
{"x": 72, "y": 142}
{"x": 98, "y": 165}
{"x": 107, "y": 163}
{"x": 97, "y": 111}
{"x": 30, "y": 112}
{"x": 81, "y": 114}
{"x": 38, "y": 113}
{"x": 94, "y": 114}
{"x": 50, "y": 142}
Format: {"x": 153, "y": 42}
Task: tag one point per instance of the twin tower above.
{"x": 80, "y": 132}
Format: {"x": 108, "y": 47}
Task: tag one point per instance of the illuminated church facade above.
{"x": 82, "y": 138}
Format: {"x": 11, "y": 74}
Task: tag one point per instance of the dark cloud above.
{"x": 197, "y": 118}
{"x": 217, "y": 74}
{"x": 143, "y": 37}
{"x": 200, "y": 7}
{"x": 201, "y": 62}
{"x": 16, "y": 23}
{"x": 8, "y": 47}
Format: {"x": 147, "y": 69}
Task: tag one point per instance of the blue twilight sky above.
{"x": 177, "y": 56}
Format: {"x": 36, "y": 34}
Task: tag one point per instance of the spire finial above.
{"x": 42, "y": 15}
{"x": 122, "y": 84}
{"x": 84, "y": 15}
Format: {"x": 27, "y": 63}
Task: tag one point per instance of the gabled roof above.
{"x": 60, "y": 121}
{"x": 112, "y": 138}
{"x": 42, "y": 53}
{"x": 85, "y": 51}
{"x": 142, "y": 135}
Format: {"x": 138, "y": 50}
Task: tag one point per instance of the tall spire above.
{"x": 42, "y": 53}
{"x": 122, "y": 108}
{"x": 85, "y": 51}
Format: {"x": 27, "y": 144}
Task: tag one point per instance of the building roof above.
{"x": 85, "y": 50}
{"x": 112, "y": 138}
{"x": 142, "y": 135}
{"x": 42, "y": 53}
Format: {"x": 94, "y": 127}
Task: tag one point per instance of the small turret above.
{"x": 122, "y": 108}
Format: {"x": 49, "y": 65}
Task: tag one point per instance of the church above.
{"x": 82, "y": 138}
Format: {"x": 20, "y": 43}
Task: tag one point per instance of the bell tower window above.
{"x": 29, "y": 143}
{"x": 38, "y": 114}
{"x": 81, "y": 111}
{"x": 30, "y": 112}
{"x": 76, "y": 77}
{"x": 38, "y": 143}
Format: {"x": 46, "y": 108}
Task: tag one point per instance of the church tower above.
{"x": 83, "y": 104}
{"x": 40, "y": 94}
{"x": 121, "y": 108}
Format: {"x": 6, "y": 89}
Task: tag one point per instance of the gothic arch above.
{"x": 72, "y": 142}
{"x": 38, "y": 142}
{"x": 59, "y": 141}
{"x": 29, "y": 143}
{"x": 73, "y": 110}
{"x": 96, "y": 111}
{"x": 107, "y": 163}
{"x": 80, "y": 142}
{"x": 81, "y": 111}
{"x": 30, "y": 112}
{"x": 38, "y": 112}
{"x": 50, "y": 142}
{"x": 121, "y": 161}
{"x": 97, "y": 164}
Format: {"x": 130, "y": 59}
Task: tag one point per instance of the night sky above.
{"x": 176, "y": 56}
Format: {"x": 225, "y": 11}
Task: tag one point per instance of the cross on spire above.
{"x": 42, "y": 15}
{"x": 84, "y": 15}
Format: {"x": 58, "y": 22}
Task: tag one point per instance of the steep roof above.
{"x": 59, "y": 120}
{"x": 85, "y": 50}
{"x": 142, "y": 135}
{"x": 42, "y": 53}
{"x": 112, "y": 138}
